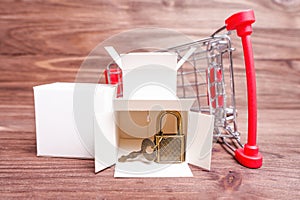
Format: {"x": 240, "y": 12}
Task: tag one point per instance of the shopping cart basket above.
{"x": 206, "y": 78}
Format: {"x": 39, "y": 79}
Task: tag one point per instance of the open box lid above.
{"x": 149, "y": 75}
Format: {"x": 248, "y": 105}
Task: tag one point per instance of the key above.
{"x": 149, "y": 149}
{"x": 146, "y": 150}
{"x": 131, "y": 155}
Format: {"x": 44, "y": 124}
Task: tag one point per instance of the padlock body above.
{"x": 170, "y": 148}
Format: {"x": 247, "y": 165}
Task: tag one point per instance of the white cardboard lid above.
{"x": 199, "y": 139}
{"x": 147, "y": 75}
{"x": 131, "y": 61}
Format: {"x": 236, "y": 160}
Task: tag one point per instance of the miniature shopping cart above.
{"x": 208, "y": 77}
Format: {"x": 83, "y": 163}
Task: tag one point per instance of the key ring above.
{"x": 148, "y": 143}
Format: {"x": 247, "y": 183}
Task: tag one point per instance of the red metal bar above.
{"x": 248, "y": 156}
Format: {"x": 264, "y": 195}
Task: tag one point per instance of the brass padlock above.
{"x": 170, "y": 148}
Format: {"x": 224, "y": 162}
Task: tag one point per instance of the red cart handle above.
{"x": 241, "y": 22}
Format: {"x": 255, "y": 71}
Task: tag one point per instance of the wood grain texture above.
{"x": 46, "y": 41}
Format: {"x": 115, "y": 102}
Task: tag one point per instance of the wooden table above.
{"x": 46, "y": 41}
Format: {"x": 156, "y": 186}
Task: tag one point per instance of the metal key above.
{"x": 131, "y": 155}
{"x": 146, "y": 143}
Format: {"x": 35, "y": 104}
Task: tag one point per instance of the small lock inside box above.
{"x": 164, "y": 132}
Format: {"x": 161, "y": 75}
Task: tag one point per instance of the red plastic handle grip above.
{"x": 248, "y": 156}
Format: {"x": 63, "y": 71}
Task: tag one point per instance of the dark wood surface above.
{"x": 46, "y": 41}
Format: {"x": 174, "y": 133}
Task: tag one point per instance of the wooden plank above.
{"x": 46, "y": 41}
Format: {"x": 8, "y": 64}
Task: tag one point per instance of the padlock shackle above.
{"x": 178, "y": 117}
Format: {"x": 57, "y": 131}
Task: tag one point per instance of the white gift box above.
{"x": 149, "y": 87}
{"x": 64, "y": 114}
